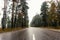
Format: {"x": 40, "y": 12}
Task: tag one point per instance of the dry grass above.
{"x": 54, "y": 29}
{"x": 51, "y": 27}
{"x": 9, "y": 29}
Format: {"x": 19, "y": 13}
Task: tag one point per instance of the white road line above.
{"x": 33, "y": 37}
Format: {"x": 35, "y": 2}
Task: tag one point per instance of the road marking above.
{"x": 33, "y": 37}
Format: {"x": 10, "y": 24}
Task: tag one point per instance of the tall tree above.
{"x": 8, "y": 22}
{"x": 13, "y": 9}
{"x": 23, "y": 13}
{"x": 44, "y": 10}
{"x": 58, "y": 11}
{"x": 24, "y": 10}
{"x": 16, "y": 14}
{"x": 4, "y": 15}
{"x": 53, "y": 15}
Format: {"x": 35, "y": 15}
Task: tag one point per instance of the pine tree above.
{"x": 12, "y": 19}
{"x": 44, "y": 10}
{"x": 24, "y": 16}
{"x": 36, "y": 21}
{"x": 4, "y": 15}
{"x": 8, "y": 23}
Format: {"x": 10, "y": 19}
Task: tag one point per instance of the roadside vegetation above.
{"x": 10, "y": 30}
{"x": 49, "y": 16}
{"x": 14, "y": 15}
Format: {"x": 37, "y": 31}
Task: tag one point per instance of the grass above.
{"x": 9, "y": 29}
{"x": 51, "y": 27}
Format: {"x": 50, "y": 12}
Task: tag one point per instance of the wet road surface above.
{"x": 31, "y": 34}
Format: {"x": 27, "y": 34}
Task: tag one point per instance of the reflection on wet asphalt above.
{"x": 31, "y": 34}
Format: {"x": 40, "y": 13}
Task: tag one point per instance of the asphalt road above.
{"x": 31, "y": 34}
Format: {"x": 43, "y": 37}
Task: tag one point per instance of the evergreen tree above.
{"x": 4, "y": 15}
{"x": 58, "y": 11}
{"x": 44, "y": 10}
{"x": 24, "y": 16}
{"x": 36, "y": 21}
{"x": 8, "y": 23}
{"x": 12, "y": 19}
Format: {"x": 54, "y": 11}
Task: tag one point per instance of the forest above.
{"x": 15, "y": 14}
{"x": 49, "y": 16}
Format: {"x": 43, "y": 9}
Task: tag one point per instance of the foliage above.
{"x": 44, "y": 10}
{"x": 36, "y": 21}
{"x": 19, "y": 16}
{"x": 50, "y": 16}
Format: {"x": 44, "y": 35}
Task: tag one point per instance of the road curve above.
{"x": 31, "y": 34}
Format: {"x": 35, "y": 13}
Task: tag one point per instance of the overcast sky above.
{"x": 1, "y": 12}
{"x": 34, "y": 8}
